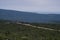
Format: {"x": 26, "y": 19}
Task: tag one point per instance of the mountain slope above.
{"x": 16, "y": 31}
{"x": 28, "y": 16}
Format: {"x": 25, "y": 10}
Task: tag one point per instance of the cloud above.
{"x": 31, "y": 5}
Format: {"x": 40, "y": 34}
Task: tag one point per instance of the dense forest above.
{"x": 12, "y": 31}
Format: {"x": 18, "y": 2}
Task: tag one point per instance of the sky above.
{"x": 31, "y": 5}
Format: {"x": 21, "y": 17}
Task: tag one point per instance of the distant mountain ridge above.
{"x": 28, "y": 16}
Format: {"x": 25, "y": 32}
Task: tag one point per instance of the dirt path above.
{"x": 39, "y": 27}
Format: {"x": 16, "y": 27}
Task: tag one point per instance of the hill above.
{"x": 14, "y": 31}
{"x": 28, "y": 16}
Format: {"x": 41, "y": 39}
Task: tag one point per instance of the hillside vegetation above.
{"x": 14, "y": 31}
{"x": 55, "y": 26}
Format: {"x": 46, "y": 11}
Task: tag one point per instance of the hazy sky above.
{"x": 31, "y": 5}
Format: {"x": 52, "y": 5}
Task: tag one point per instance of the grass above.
{"x": 15, "y": 31}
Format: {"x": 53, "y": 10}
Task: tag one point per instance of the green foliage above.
{"x": 48, "y": 25}
{"x": 20, "y": 32}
